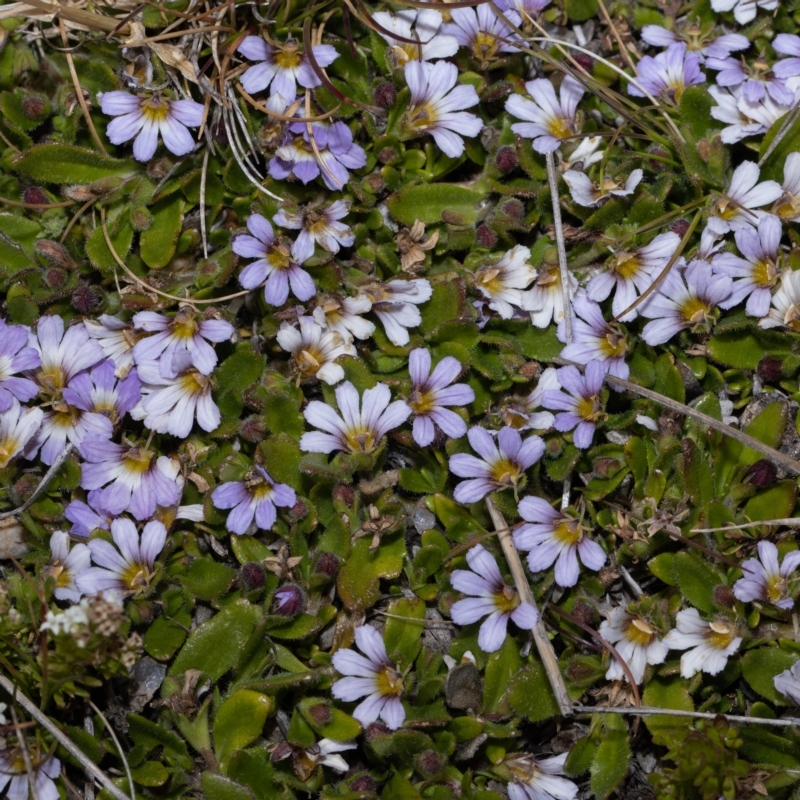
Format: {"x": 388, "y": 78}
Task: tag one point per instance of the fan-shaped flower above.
{"x": 631, "y": 273}
{"x": 117, "y": 339}
{"x": 668, "y": 74}
{"x": 503, "y": 283}
{"x": 553, "y": 537}
{"x": 275, "y": 264}
{"x": 253, "y": 499}
{"x": 788, "y": 682}
{"x": 66, "y": 566}
{"x": 185, "y": 332}
{"x": 547, "y": 295}
{"x": 372, "y": 676}
{"x": 315, "y": 350}
{"x": 539, "y": 778}
{"x": 491, "y": 597}
{"x": 358, "y": 429}
{"x": 282, "y": 66}
{"x": 342, "y": 315}
{"x": 744, "y": 118}
{"x": 580, "y": 407}
{"x": 740, "y": 204}
{"x": 431, "y": 392}
{"x": 785, "y": 310}
{"x": 548, "y": 119}
{"x": 756, "y": 273}
{"x": 524, "y": 415}
{"x": 787, "y": 207}
{"x": 483, "y": 32}
{"x": 146, "y": 117}
{"x": 708, "y": 644}
{"x": 744, "y": 11}
{"x": 317, "y": 225}
{"x": 16, "y": 356}
{"x": 684, "y": 301}
{"x": 589, "y": 194}
{"x": 18, "y": 425}
{"x": 787, "y": 44}
{"x": 696, "y": 40}
{"x": 395, "y": 304}
{"x": 101, "y": 393}
{"x": 129, "y": 567}
{"x": 416, "y": 24}
{"x": 437, "y": 106}
{"x": 756, "y": 84}
{"x": 635, "y": 639}
{"x": 14, "y": 774}
{"x": 502, "y": 463}
{"x": 766, "y": 579}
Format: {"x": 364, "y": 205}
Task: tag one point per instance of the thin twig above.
{"x": 48, "y": 476}
{"x": 543, "y": 645}
{"x": 562, "y": 250}
{"x": 118, "y": 746}
{"x": 203, "y": 175}
{"x": 786, "y": 125}
{"x": 623, "y": 51}
{"x": 652, "y": 711}
{"x": 789, "y": 522}
{"x": 62, "y": 739}
{"x": 26, "y": 756}
{"x": 787, "y": 462}
{"x": 634, "y": 587}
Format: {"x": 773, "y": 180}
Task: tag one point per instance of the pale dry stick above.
{"x": 786, "y": 125}
{"x": 634, "y": 587}
{"x": 79, "y": 91}
{"x": 39, "y": 491}
{"x": 543, "y": 645}
{"x": 26, "y": 756}
{"x": 118, "y": 746}
{"x": 62, "y": 739}
{"x": 789, "y": 522}
{"x": 787, "y": 462}
{"x": 203, "y": 175}
{"x": 97, "y": 22}
{"x": 652, "y": 711}
{"x": 623, "y": 51}
{"x": 88, "y": 786}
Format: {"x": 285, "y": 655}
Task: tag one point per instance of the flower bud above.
{"x": 485, "y": 236}
{"x": 55, "y": 253}
{"x": 320, "y": 713}
{"x": 289, "y": 600}
{"x": 327, "y": 565}
{"x": 506, "y": 159}
{"x": 35, "y": 196}
{"x": 385, "y": 94}
{"x": 584, "y": 61}
{"x": 723, "y": 596}
{"x": 54, "y": 278}
{"x": 762, "y": 474}
{"x": 769, "y": 369}
{"x": 252, "y": 576}
{"x": 85, "y": 299}
{"x": 680, "y": 226}
{"x": 344, "y": 494}
{"x": 252, "y": 429}
{"x": 35, "y": 107}
{"x": 429, "y": 762}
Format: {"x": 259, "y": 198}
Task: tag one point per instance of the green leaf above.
{"x": 66, "y": 163}
{"x": 150, "y": 774}
{"x": 696, "y": 579}
{"x": 403, "y": 637}
{"x": 777, "y": 502}
{"x": 759, "y": 668}
{"x": 207, "y": 579}
{"x": 738, "y": 349}
{"x": 768, "y": 427}
{"x": 216, "y": 787}
{"x": 157, "y": 243}
{"x": 694, "y": 110}
{"x": 501, "y": 667}
{"x": 97, "y": 249}
{"x": 214, "y": 646}
{"x": 610, "y": 763}
{"x": 668, "y": 693}
{"x": 446, "y": 304}
{"x": 531, "y": 695}
{"x": 430, "y": 203}
{"x": 668, "y": 380}
{"x": 253, "y": 769}
{"x": 329, "y": 722}
{"x": 239, "y": 722}
{"x": 540, "y": 344}
{"x": 151, "y": 735}
{"x": 359, "y": 576}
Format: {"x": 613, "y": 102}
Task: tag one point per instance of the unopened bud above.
{"x": 506, "y": 159}
{"x": 769, "y": 369}
{"x": 252, "y": 429}
{"x": 35, "y": 196}
{"x": 35, "y": 108}
{"x": 327, "y": 565}
{"x": 584, "y": 61}
{"x": 85, "y": 299}
{"x": 55, "y": 253}
{"x": 252, "y": 576}
{"x": 723, "y": 596}
{"x": 762, "y": 474}
{"x": 485, "y": 236}
{"x": 680, "y": 226}
{"x": 289, "y": 600}
{"x": 385, "y": 95}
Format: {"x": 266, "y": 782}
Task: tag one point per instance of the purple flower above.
{"x": 437, "y": 106}
{"x": 744, "y": 11}
{"x": 524, "y": 7}
{"x": 181, "y": 333}
{"x": 501, "y": 463}
{"x": 395, "y": 304}
{"x": 787, "y": 207}
{"x": 788, "y": 682}
{"x": 766, "y": 579}
{"x": 551, "y": 536}
{"x": 631, "y": 273}
{"x": 317, "y": 225}
{"x": 275, "y": 265}
{"x": 581, "y": 407}
{"x": 668, "y": 74}
{"x": 416, "y": 24}
{"x": 589, "y": 194}
{"x": 594, "y": 338}
{"x": 431, "y": 391}
{"x": 169, "y": 405}
{"x": 357, "y": 430}
{"x": 547, "y": 295}
{"x": 755, "y": 87}
{"x": 254, "y": 498}
{"x": 539, "y": 778}
{"x": 491, "y": 598}
{"x": 744, "y": 118}
{"x": 101, "y": 393}
{"x": 482, "y": 32}
{"x": 756, "y": 273}
{"x": 737, "y": 207}
{"x": 134, "y": 478}
{"x": 88, "y": 517}
{"x": 524, "y": 416}
{"x": 116, "y": 338}
{"x": 548, "y": 119}
{"x": 283, "y": 66}
{"x": 66, "y": 566}
{"x": 146, "y": 117}
{"x": 315, "y": 350}
{"x": 696, "y": 40}
{"x": 372, "y": 676}
{"x": 62, "y": 355}
{"x": 335, "y": 154}
{"x": 785, "y": 310}
{"x": 787, "y": 44}
{"x": 684, "y": 301}
{"x": 16, "y": 356}
{"x": 129, "y": 568}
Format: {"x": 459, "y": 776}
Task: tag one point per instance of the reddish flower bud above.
{"x": 252, "y": 576}
{"x": 680, "y": 226}
{"x": 34, "y": 107}
{"x": 723, "y": 596}
{"x": 252, "y": 429}
{"x": 506, "y": 159}
{"x": 364, "y": 783}
{"x": 85, "y": 299}
{"x": 344, "y": 494}
{"x": 485, "y": 236}
{"x": 385, "y": 95}
{"x": 55, "y": 253}
{"x": 762, "y": 474}
{"x": 429, "y": 762}
{"x": 584, "y": 61}
{"x": 289, "y": 600}
{"x": 35, "y": 195}
{"x": 327, "y": 564}
{"x": 320, "y": 713}
{"x": 769, "y": 369}
{"x": 54, "y": 278}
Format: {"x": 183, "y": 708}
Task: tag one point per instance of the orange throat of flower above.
{"x": 505, "y": 472}
{"x": 640, "y": 632}
{"x": 389, "y": 682}
{"x": 720, "y": 634}
{"x": 360, "y": 440}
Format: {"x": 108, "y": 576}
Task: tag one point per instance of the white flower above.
{"x": 117, "y": 339}
{"x": 314, "y": 350}
{"x": 584, "y": 155}
{"x": 744, "y": 118}
{"x": 788, "y": 682}
{"x": 373, "y": 677}
{"x": 68, "y": 622}
{"x": 744, "y": 11}
{"x": 320, "y": 225}
{"x": 14, "y": 774}
{"x": 635, "y": 639}
{"x": 785, "y": 309}
{"x": 341, "y": 314}
{"x": 747, "y": 195}
{"x": 66, "y": 566}
{"x": 395, "y": 304}
{"x": 547, "y": 295}
{"x": 787, "y": 206}
{"x": 17, "y": 428}
{"x": 483, "y": 32}
{"x": 766, "y": 579}
{"x": 503, "y": 283}
{"x": 415, "y": 24}
{"x": 711, "y": 643}
{"x": 586, "y": 193}
{"x": 539, "y": 778}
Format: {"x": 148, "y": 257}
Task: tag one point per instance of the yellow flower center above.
{"x": 136, "y": 577}
{"x": 569, "y": 531}
{"x": 505, "y": 472}
{"x": 156, "y": 109}
{"x": 788, "y": 207}
{"x": 421, "y": 117}
{"x": 491, "y": 280}
{"x": 279, "y": 257}
{"x": 627, "y": 265}
{"x": 195, "y": 383}
{"x": 726, "y": 210}
{"x": 52, "y": 379}
{"x": 309, "y": 361}
{"x": 484, "y": 46}
{"x": 137, "y": 460}
{"x": 559, "y": 128}
{"x": 360, "y": 440}
{"x": 765, "y": 274}
{"x": 694, "y": 311}
{"x": 720, "y": 634}
{"x": 7, "y": 449}
{"x": 640, "y": 632}
{"x": 791, "y": 319}
{"x": 506, "y": 600}
{"x": 421, "y": 402}
{"x": 390, "y": 682}
{"x": 776, "y": 588}
{"x": 184, "y": 326}
{"x": 614, "y": 345}
{"x": 288, "y": 57}
{"x": 589, "y": 408}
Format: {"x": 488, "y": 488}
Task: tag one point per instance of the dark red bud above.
{"x": 298, "y": 510}
{"x": 429, "y": 762}
{"x": 769, "y": 369}
{"x": 85, "y": 300}
{"x": 485, "y": 236}
{"x": 762, "y": 474}
{"x": 252, "y": 576}
{"x": 344, "y": 494}
{"x": 35, "y": 195}
{"x": 327, "y": 564}
{"x": 55, "y": 278}
{"x": 723, "y": 596}
{"x": 252, "y": 429}
{"x": 34, "y": 108}
{"x": 320, "y": 713}
{"x": 584, "y": 60}
{"x": 680, "y": 226}
{"x": 385, "y": 95}
{"x": 506, "y": 159}
{"x": 289, "y": 600}
{"x": 363, "y": 783}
